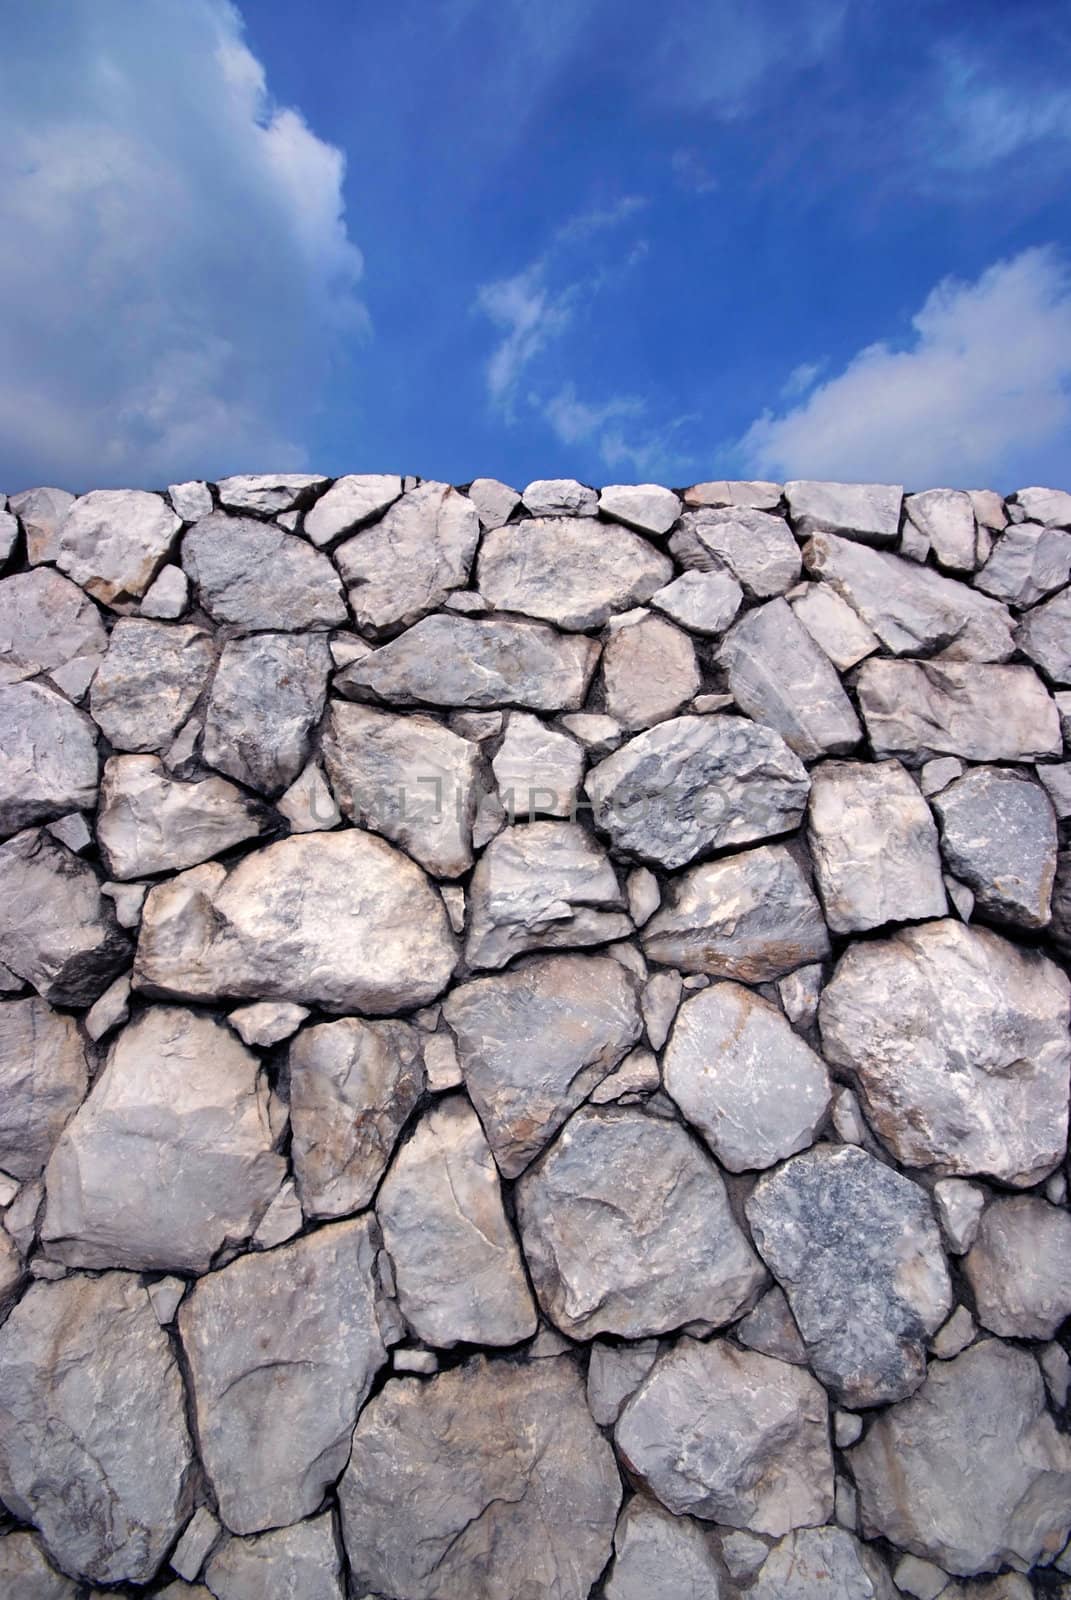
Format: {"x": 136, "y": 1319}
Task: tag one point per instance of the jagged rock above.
{"x": 743, "y": 1078}
{"x": 491, "y": 1456}
{"x": 626, "y": 1227}
{"x": 408, "y": 778}
{"x": 921, "y": 709}
{"x": 761, "y": 495}
{"x": 779, "y": 676}
{"x": 702, "y": 602}
{"x": 978, "y": 1422}
{"x": 282, "y": 1348}
{"x": 1027, "y": 563}
{"x": 957, "y": 1333}
{"x": 866, "y": 512}
{"x": 57, "y": 932}
{"x": 199, "y": 1537}
{"x": 731, "y": 1436}
{"x": 583, "y": 1012}
{"x": 147, "y": 684}
{"x": 350, "y": 502}
{"x": 752, "y": 916}
{"x": 1019, "y": 1267}
{"x": 636, "y": 1078}
{"x": 771, "y": 1329}
{"x": 820, "y": 1564}
{"x": 170, "y": 1157}
{"x": 959, "y": 1206}
{"x": 615, "y": 1371}
{"x": 308, "y": 805}
{"x": 252, "y": 575}
{"x": 643, "y": 506}
{"x": 268, "y": 493}
{"x": 408, "y": 562}
{"x": 267, "y": 1022}
{"x": 113, "y": 542}
{"x": 834, "y": 626}
{"x": 743, "y": 1554}
{"x": 43, "y": 1081}
{"x": 958, "y": 1041}
{"x": 537, "y": 769}
{"x": 757, "y": 549}
{"x": 659, "y": 1002}
{"x": 48, "y": 756}
{"x": 353, "y": 1085}
{"x": 26, "y": 1575}
{"x": 945, "y": 519}
{"x": 998, "y": 834}
{"x": 572, "y": 571}
{"x": 937, "y": 775}
{"x": 166, "y": 1295}
{"x": 94, "y": 1448}
{"x": 644, "y": 895}
{"x": 282, "y": 1220}
{"x": 459, "y": 661}
{"x": 1043, "y": 636}
{"x": 42, "y": 513}
{"x": 874, "y": 845}
{"x": 856, "y": 1249}
{"x": 560, "y": 497}
{"x": 47, "y": 624}
{"x": 696, "y": 782}
{"x": 649, "y": 672}
{"x": 457, "y": 1264}
{"x": 302, "y": 1562}
{"x": 192, "y": 500}
{"x": 656, "y": 1553}
{"x": 110, "y": 1010}
{"x": 539, "y": 885}
{"x": 494, "y": 501}
{"x": 1050, "y": 506}
{"x": 341, "y": 920}
{"x": 167, "y": 596}
{"x": 799, "y": 994}
{"x": 149, "y": 823}
{"x": 267, "y": 696}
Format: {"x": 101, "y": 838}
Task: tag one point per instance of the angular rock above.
{"x": 43, "y": 1080}
{"x": 560, "y": 497}
{"x": 268, "y": 493}
{"x": 626, "y": 1227}
{"x": 856, "y": 1249}
{"x": 957, "y": 1333}
{"x": 303, "y": 1562}
{"x": 752, "y": 916}
{"x": 945, "y": 518}
{"x": 48, "y": 756}
{"x": 252, "y": 575}
{"x": 192, "y": 500}
{"x": 110, "y": 1010}
{"x": 349, "y": 503}
{"x": 702, "y": 602}
{"x": 495, "y": 502}
{"x": 731, "y": 1436}
{"x": 149, "y": 823}
{"x": 571, "y": 571}
{"x": 771, "y": 1330}
{"x": 42, "y": 513}
{"x": 834, "y": 626}
{"x": 820, "y": 1563}
{"x": 921, "y": 709}
{"x": 636, "y": 1078}
{"x": 537, "y": 769}
{"x": 94, "y": 1448}
{"x": 959, "y": 1206}
{"x": 341, "y": 920}
{"x": 408, "y": 562}
{"x": 267, "y": 1022}
{"x": 168, "y": 595}
{"x": 758, "y": 549}
{"x": 1027, "y": 563}
{"x": 267, "y": 696}
{"x": 1019, "y": 1267}
{"x": 458, "y": 661}
{"x": 778, "y": 676}
{"x": 958, "y": 1041}
{"x": 643, "y": 506}
{"x": 615, "y": 1371}
{"x": 308, "y": 804}
{"x": 800, "y": 993}
{"x": 761, "y": 495}
{"x": 979, "y": 1422}
{"x": 200, "y": 1535}
{"x": 696, "y": 782}
{"x": 1050, "y": 506}
{"x": 148, "y": 682}
{"x": 584, "y": 1014}
{"x": 57, "y": 932}
{"x": 26, "y": 1575}
{"x": 743, "y": 1078}
{"x": 114, "y": 541}
{"x": 1044, "y": 635}
{"x": 649, "y": 672}
{"x": 657, "y": 1553}
{"x": 515, "y": 1489}
{"x": 46, "y": 624}
{"x": 866, "y": 512}
{"x": 998, "y": 835}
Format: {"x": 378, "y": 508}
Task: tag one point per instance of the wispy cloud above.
{"x": 982, "y": 114}
{"x": 691, "y": 172}
{"x": 619, "y": 432}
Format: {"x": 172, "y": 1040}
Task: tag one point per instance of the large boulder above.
{"x": 999, "y": 836}
{"x": 921, "y": 709}
{"x": 114, "y": 541}
{"x": 779, "y": 676}
{"x": 149, "y": 822}
{"x": 267, "y": 696}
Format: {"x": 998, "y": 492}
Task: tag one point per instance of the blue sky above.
{"x": 608, "y": 239}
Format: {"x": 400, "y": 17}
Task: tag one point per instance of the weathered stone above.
{"x": 656, "y": 1553}
{"x": 167, "y": 596}
{"x": 979, "y": 1423}
{"x": 959, "y": 1206}
{"x": 166, "y": 1294}
{"x": 779, "y": 676}
{"x": 1044, "y": 635}
{"x": 46, "y": 624}
{"x": 761, "y": 495}
{"x": 192, "y": 500}
{"x": 799, "y": 994}
{"x": 252, "y": 575}
{"x": 1055, "y": 1365}
{"x": 150, "y": 823}
{"x": 937, "y": 775}
{"x": 456, "y": 1261}
{"x": 114, "y": 541}
{"x": 1056, "y": 780}
{"x": 72, "y": 830}
{"x": 598, "y": 733}
{"x": 494, "y": 501}
{"x": 302, "y": 1562}
{"x": 94, "y": 1449}
{"x": 560, "y": 497}
{"x": 43, "y": 1080}
{"x": 696, "y": 782}
{"x": 626, "y": 1227}
{"x": 459, "y": 661}
{"x": 702, "y": 602}
{"x": 569, "y": 570}
{"x": 866, "y": 512}
{"x": 267, "y": 696}
{"x": 1019, "y": 1267}
{"x": 945, "y": 518}
{"x": 268, "y": 493}
{"x": 350, "y": 502}
{"x": 48, "y": 756}
{"x": 958, "y": 1041}
{"x": 615, "y": 1371}
{"x": 771, "y": 1329}
{"x": 341, "y": 920}
{"x": 408, "y": 778}
{"x": 56, "y": 930}
{"x": 26, "y": 1575}
{"x": 957, "y": 1333}
{"x": 732, "y": 1436}
{"x": 757, "y": 549}
{"x": 998, "y": 835}
{"x": 752, "y": 916}
{"x": 1027, "y": 564}
{"x": 540, "y": 885}
{"x": 282, "y": 1220}
{"x": 822, "y": 1564}
{"x": 407, "y": 563}
{"x": 1050, "y": 506}
{"x": 631, "y": 1082}
{"x": 856, "y": 1249}
{"x": 643, "y": 506}
{"x": 516, "y": 1491}
{"x": 308, "y": 805}
{"x": 282, "y": 1348}
{"x": 922, "y": 709}
{"x": 200, "y": 1535}
{"x": 644, "y": 895}
{"x": 353, "y": 1085}
{"x": 537, "y": 769}
{"x": 110, "y": 1010}
{"x": 42, "y": 513}
{"x": 267, "y": 1022}
{"x": 127, "y": 899}
{"x": 147, "y": 684}
{"x": 649, "y": 672}
{"x": 743, "y": 1078}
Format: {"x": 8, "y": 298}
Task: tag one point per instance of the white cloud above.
{"x": 603, "y": 426}
{"x": 177, "y": 271}
{"x": 980, "y": 395}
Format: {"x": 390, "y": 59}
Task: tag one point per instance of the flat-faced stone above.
{"x": 1044, "y": 635}
{"x": 57, "y": 931}
{"x": 658, "y": 1553}
{"x": 571, "y": 571}
{"x": 42, "y": 513}
{"x": 921, "y": 709}
{"x": 771, "y": 1329}
{"x": 494, "y": 501}
{"x": 649, "y": 672}
{"x": 349, "y": 503}
{"x": 998, "y": 835}
{"x": 838, "y": 630}
{"x": 43, "y": 1081}
{"x": 866, "y": 512}
{"x": 48, "y": 756}
{"x": 192, "y": 500}
{"x": 267, "y": 696}
{"x": 763, "y": 496}
{"x": 537, "y": 769}
{"x": 616, "y": 1371}
{"x": 147, "y": 684}
{"x": 1027, "y": 563}
{"x": 302, "y": 1562}
{"x": 702, "y": 602}
{"x": 150, "y": 823}
{"x": 1019, "y": 1267}
{"x": 253, "y": 575}
{"x": 779, "y": 676}
{"x": 268, "y": 493}
{"x": 959, "y": 1206}
{"x": 643, "y": 506}
{"x": 25, "y": 1574}
{"x": 758, "y": 549}
{"x": 114, "y": 541}
{"x": 308, "y": 804}
{"x": 407, "y": 563}
{"x": 46, "y": 623}
{"x": 820, "y": 1564}
{"x": 945, "y": 519}
{"x": 560, "y": 497}
{"x": 168, "y": 595}
{"x": 1050, "y": 506}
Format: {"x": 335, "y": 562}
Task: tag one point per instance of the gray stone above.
{"x": 1055, "y": 1365}
{"x": 937, "y": 775}
{"x": 476, "y": 725}
{"x": 341, "y": 920}
{"x": 26, "y": 1575}
{"x": 1057, "y": 784}
{"x": 998, "y": 835}
{"x": 702, "y": 602}
{"x": 517, "y": 1491}
{"x": 922, "y": 709}
{"x": 866, "y": 512}
{"x": 110, "y": 1010}
{"x": 1050, "y": 506}
{"x": 696, "y": 782}
{"x": 598, "y": 733}
{"x": 820, "y": 1564}
{"x": 649, "y": 672}
{"x": 643, "y": 506}
{"x": 114, "y": 541}
{"x": 43, "y": 1080}
{"x": 856, "y": 1249}
{"x": 834, "y": 626}
{"x": 268, "y": 493}
{"x": 743, "y": 1554}
{"x": 424, "y": 1362}
{"x": 978, "y": 1422}
{"x": 57, "y": 932}
{"x": 308, "y": 805}
{"x": 441, "y": 1062}
{"x": 192, "y": 500}
{"x": 149, "y": 823}
{"x": 957, "y": 1333}
{"x": 282, "y": 1220}
{"x": 571, "y": 571}
{"x": 945, "y": 518}
{"x": 1019, "y": 1267}
{"x": 267, "y": 1022}
{"x": 779, "y": 676}
{"x": 148, "y": 682}
{"x": 759, "y": 494}
{"x": 459, "y": 661}
{"x": 958, "y": 1042}
{"x": 847, "y": 1428}
{"x": 731, "y": 1436}
{"x": 771, "y": 1329}
{"x": 167, "y": 596}
{"x": 627, "y": 1229}
{"x": 959, "y": 1206}
{"x": 94, "y": 1448}
{"x": 494, "y": 501}
{"x": 408, "y": 778}
{"x": 48, "y": 756}
{"x": 560, "y": 497}
{"x": 752, "y": 916}
{"x": 757, "y": 549}
{"x": 537, "y": 769}
{"x": 267, "y": 696}
{"x": 127, "y": 899}
{"x": 1027, "y": 563}
{"x": 46, "y": 624}
{"x": 1044, "y": 635}
{"x": 988, "y": 508}
{"x": 302, "y": 1562}
{"x": 200, "y": 1535}
{"x": 353, "y": 1085}
{"x": 166, "y": 1296}
{"x": 252, "y": 575}
{"x": 799, "y": 994}
{"x": 656, "y": 1553}
{"x": 42, "y": 513}
{"x": 72, "y": 830}
{"x": 743, "y": 1078}
{"x": 456, "y": 1261}
{"x": 644, "y": 895}
{"x": 661, "y": 997}
{"x": 349, "y": 503}
{"x": 282, "y": 1347}
{"x": 407, "y": 563}
{"x": 615, "y": 1371}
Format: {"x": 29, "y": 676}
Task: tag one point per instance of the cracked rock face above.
{"x": 149, "y": 823}
{"x": 572, "y": 571}
{"x": 303, "y": 1561}
{"x": 649, "y": 672}
{"x": 922, "y": 709}
{"x": 267, "y": 695}
{"x": 657, "y": 1553}
{"x": 998, "y": 835}
{"x": 756, "y": 548}
{"x": 252, "y": 574}
{"x": 779, "y": 676}
{"x": 148, "y": 682}
{"x": 48, "y": 757}
{"x": 57, "y": 931}
{"x": 409, "y": 561}
{"x": 113, "y": 542}
{"x": 47, "y": 624}
{"x": 818, "y": 1563}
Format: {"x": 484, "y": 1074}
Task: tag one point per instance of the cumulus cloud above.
{"x": 177, "y": 271}
{"x": 979, "y": 395}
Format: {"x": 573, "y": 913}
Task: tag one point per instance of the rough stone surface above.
{"x": 779, "y": 676}
{"x": 922, "y": 709}
{"x": 113, "y": 542}
{"x": 1019, "y": 1267}
{"x": 649, "y": 671}
{"x": 643, "y": 506}
{"x": 42, "y": 513}
{"x": 658, "y": 1553}
{"x": 820, "y": 1563}
{"x": 149, "y": 823}
{"x": 945, "y": 518}
{"x": 1043, "y": 637}
{"x": 25, "y": 1574}
{"x": 350, "y": 502}
{"x": 771, "y": 1329}
{"x": 407, "y": 563}
{"x": 1027, "y": 563}
{"x": 57, "y": 931}
{"x": 834, "y": 626}
{"x": 615, "y": 1371}
{"x": 268, "y": 493}
{"x": 702, "y": 602}
{"x": 537, "y": 769}
{"x": 303, "y": 1562}
{"x": 756, "y": 548}
{"x": 573, "y": 572}
{"x": 560, "y": 497}
{"x": 867, "y": 512}
{"x": 253, "y": 575}
{"x": 959, "y": 1206}
{"x": 998, "y": 835}
{"x": 494, "y": 501}
{"x": 167, "y": 596}
{"x": 267, "y": 695}
{"x": 148, "y": 682}
{"x": 48, "y": 756}
{"x": 47, "y": 624}
{"x": 43, "y": 1080}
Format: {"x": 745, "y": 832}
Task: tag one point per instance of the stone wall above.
{"x": 534, "y": 1050}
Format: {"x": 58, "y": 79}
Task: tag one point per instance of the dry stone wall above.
{"x": 534, "y": 1042}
